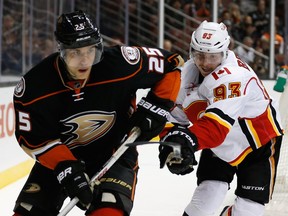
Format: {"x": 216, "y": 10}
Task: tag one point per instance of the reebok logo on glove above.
{"x": 64, "y": 173}
{"x": 153, "y": 108}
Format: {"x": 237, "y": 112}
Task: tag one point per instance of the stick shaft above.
{"x": 135, "y": 132}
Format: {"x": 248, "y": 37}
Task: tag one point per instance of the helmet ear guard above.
{"x": 210, "y": 37}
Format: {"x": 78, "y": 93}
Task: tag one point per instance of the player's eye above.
{"x": 73, "y": 53}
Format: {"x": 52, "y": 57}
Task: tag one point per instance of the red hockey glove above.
{"x": 151, "y": 116}
{"x": 188, "y": 142}
{"x": 71, "y": 175}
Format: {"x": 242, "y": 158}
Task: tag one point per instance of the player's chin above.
{"x": 82, "y": 74}
{"x": 205, "y": 72}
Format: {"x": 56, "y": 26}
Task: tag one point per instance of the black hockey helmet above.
{"x": 75, "y": 30}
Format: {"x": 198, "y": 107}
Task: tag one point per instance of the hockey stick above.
{"x": 175, "y": 146}
{"x": 174, "y": 157}
{"x": 135, "y": 133}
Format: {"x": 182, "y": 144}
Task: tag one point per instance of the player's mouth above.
{"x": 82, "y": 70}
{"x": 206, "y": 71}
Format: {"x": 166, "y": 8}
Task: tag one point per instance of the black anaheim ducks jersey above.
{"x": 62, "y": 119}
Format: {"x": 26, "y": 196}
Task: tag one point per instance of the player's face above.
{"x": 207, "y": 62}
{"x": 79, "y": 61}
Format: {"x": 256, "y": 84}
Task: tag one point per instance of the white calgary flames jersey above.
{"x": 230, "y": 110}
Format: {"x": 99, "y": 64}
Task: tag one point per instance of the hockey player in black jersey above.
{"x": 77, "y": 106}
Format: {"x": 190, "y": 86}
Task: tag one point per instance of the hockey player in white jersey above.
{"x": 224, "y": 110}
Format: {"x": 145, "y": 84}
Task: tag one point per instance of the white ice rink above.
{"x": 158, "y": 193}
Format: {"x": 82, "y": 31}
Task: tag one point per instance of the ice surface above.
{"x": 158, "y": 193}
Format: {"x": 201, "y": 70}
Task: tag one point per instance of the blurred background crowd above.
{"x": 27, "y": 27}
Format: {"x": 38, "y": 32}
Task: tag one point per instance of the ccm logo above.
{"x": 153, "y": 108}
{"x": 64, "y": 173}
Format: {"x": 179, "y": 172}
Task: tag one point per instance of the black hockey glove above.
{"x": 151, "y": 116}
{"x": 188, "y": 141}
{"x": 71, "y": 175}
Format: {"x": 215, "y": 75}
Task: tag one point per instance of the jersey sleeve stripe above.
{"x": 47, "y": 147}
{"x": 50, "y": 154}
{"x": 220, "y": 117}
{"x": 53, "y": 156}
